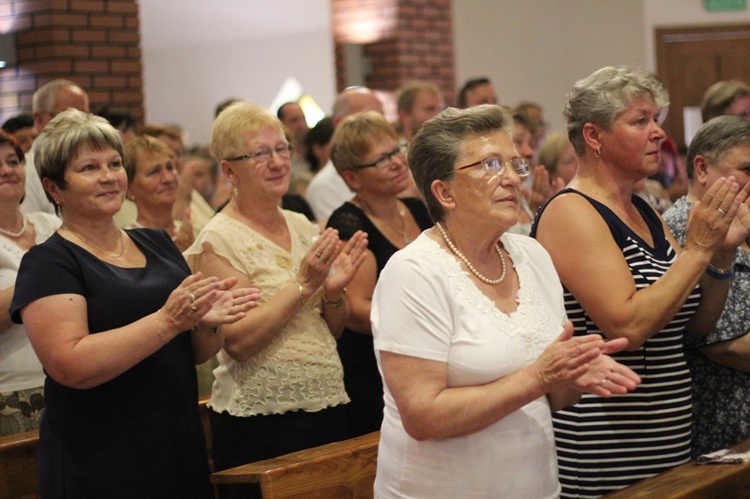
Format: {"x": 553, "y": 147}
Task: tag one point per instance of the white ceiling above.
{"x": 166, "y": 24}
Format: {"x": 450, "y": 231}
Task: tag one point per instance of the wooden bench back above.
{"x": 19, "y": 457}
{"x": 341, "y": 469}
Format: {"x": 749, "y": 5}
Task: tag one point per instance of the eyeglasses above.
{"x": 386, "y": 159}
{"x": 495, "y": 165}
{"x": 264, "y": 155}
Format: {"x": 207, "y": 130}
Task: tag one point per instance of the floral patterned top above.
{"x": 721, "y": 395}
{"x": 300, "y": 369}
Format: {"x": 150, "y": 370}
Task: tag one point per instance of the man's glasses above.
{"x": 386, "y": 159}
{"x": 263, "y": 156}
{"x": 494, "y": 165}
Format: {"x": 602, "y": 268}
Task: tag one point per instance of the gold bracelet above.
{"x": 301, "y": 293}
{"x": 335, "y": 304}
{"x": 158, "y": 327}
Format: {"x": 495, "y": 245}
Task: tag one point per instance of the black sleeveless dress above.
{"x": 361, "y": 377}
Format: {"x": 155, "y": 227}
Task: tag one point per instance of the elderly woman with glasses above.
{"x": 470, "y": 330}
{"x": 366, "y": 152}
{"x": 630, "y": 279}
{"x": 279, "y": 385}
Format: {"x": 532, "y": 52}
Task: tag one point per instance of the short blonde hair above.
{"x": 63, "y": 137}
{"x": 355, "y": 136}
{"x": 234, "y": 122}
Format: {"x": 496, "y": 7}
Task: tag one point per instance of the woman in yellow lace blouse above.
{"x": 279, "y": 385}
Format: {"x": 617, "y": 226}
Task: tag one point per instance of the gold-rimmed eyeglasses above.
{"x": 494, "y": 165}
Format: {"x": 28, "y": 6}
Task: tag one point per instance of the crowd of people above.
{"x": 422, "y": 277}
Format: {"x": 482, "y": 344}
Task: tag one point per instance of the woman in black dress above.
{"x": 366, "y": 152}
{"x": 104, "y": 310}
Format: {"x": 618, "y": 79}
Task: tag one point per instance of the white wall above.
{"x": 537, "y": 49}
{"x": 183, "y": 85}
{"x": 197, "y": 53}
{"x": 531, "y": 49}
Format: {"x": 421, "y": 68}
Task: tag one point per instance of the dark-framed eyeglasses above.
{"x": 495, "y": 165}
{"x": 263, "y": 156}
{"x": 386, "y": 159}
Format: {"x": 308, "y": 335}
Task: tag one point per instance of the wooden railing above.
{"x": 709, "y": 481}
{"x": 343, "y": 469}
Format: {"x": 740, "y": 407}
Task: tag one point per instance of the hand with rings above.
{"x": 710, "y": 219}
{"x": 207, "y": 302}
{"x": 316, "y": 264}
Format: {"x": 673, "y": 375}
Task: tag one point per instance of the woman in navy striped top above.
{"x": 625, "y": 276}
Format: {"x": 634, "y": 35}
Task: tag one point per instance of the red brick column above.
{"x": 403, "y": 40}
{"x": 95, "y": 43}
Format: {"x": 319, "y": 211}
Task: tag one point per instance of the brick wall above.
{"x": 403, "y": 39}
{"x": 95, "y": 43}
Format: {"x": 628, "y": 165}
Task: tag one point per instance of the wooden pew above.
{"x": 19, "y": 456}
{"x": 341, "y": 469}
{"x": 709, "y": 481}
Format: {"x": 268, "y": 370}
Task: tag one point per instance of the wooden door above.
{"x": 689, "y": 60}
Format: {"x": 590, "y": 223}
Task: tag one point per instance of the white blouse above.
{"x": 426, "y": 306}
{"x": 20, "y": 368}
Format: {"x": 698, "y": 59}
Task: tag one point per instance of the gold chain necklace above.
{"x": 402, "y": 231}
{"x": 101, "y": 250}
{"x": 454, "y": 249}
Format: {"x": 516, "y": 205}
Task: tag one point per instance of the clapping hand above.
{"x": 347, "y": 263}
{"x": 185, "y": 235}
{"x": 605, "y": 376}
{"x": 208, "y": 302}
{"x": 585, "y": 363}
{"x": 711, "y": 217}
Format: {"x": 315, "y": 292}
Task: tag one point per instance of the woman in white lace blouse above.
{"x": 469, "y": 331}
{"x": 279, "y": 385}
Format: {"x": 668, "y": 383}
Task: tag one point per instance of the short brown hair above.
{"x": 355, "y": 136}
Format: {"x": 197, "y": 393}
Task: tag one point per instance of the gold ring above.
{"x": 193, "y": 310}
{"x": 192, "y": 297}
{"x": 319, "y": 254}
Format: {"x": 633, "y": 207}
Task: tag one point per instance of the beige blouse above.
{"x": 300, "y": 369}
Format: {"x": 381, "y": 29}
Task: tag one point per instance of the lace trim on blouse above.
{"x": 526, "y": 321}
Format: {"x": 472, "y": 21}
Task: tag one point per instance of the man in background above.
{"x": 477, "y": 91}
{"x": 293, "y": 118}
{"x": 49, "y": 100}
{"x": 416, "y": 101}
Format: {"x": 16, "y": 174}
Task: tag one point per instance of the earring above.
{"x": 597, "y": 152}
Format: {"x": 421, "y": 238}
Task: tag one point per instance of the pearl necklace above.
{"x": 101, "y": 250}
{"x": 492, "y": 282}
{"x": 24, "y": 224}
